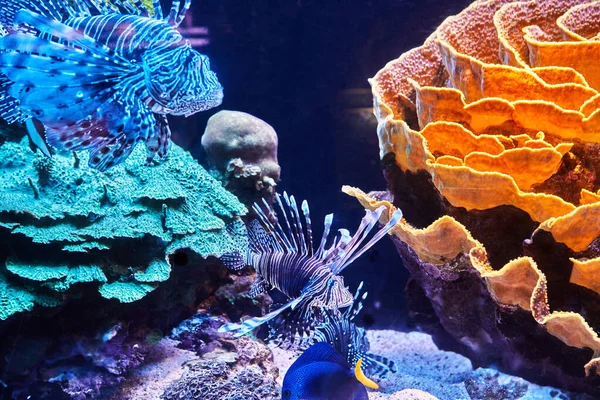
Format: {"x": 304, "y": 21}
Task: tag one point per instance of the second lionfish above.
{"x": 350, "y": 340}
{"x": 99, "y": 75}
{"x": 284, "y": 258}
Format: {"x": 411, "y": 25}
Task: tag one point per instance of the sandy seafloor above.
{"x": 425, "y": 373}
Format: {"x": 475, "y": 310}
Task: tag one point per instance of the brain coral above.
{"x": 65, "y": 227}
{"x": 490, "y": 136}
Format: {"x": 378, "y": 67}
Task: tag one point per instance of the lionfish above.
{"x": 350, "y": 340}
{"x": 100, "y": 75}
{"x": 284, "y": 259}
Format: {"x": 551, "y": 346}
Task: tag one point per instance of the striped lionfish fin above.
{"x": 111, "y": 135}
{"x": 259, "y": 286}
{"x": 60, "y": 10}
{"x": 351, "y": 312}
{"x": 234, "y": 261}
{"x": 346, "y": 337}
{"x": 289, "y": 233}
{"x": 28, "y": 88}
{"x": 354, "y": 248}
{"x": 249, "y": 325}
{"x": 378, "y": 365}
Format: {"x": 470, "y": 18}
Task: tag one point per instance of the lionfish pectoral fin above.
{"x": 259, "y": 286}
{"x": 234, "y": 261}
{"x": 36, "y": 132}
{"x": 111, "y": 135}
{"x": 249, "y": 325}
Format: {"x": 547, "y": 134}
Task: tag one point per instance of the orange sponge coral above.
{"x": 494, "y": 133}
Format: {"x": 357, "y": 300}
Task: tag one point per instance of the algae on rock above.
{"x": 63, "y": 224}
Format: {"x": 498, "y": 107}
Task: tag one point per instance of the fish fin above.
{"x": 259, "y": 286}
{"x": 362, "y": 378}
{"x": 378, "y": 365}
{"x": 249, "y": 325}
{"x": 160, "y": 139}
{"x": 296, "y": 322}
{"x": 48, "y": 8}
{"x": 36, "y": 132}
{"x": 110, "y": 136}
{"x": 234, "y": 261}
{"x": 320, "y": 352}
{"x": 10, "y": 110}
{"x": 258, "y": 238}
{"x": 326, "y": 229}
{"x": 54, "y": 57}
{"x": 355, "y": 247}
{"x": 290, "y": 235}
{"x": 67, "y": 35}
{"x": 357, "y": 305}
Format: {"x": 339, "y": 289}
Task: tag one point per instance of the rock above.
{"x": 242, "y": 152}
{"x": 246, "y": 372}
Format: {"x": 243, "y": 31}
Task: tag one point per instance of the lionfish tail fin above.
{"x": 377, "y": 365}
{"x": 357, "y": 306}
{"x": 354, "y": 248}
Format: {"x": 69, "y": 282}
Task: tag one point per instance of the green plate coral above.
{"x": 63, "y": 225}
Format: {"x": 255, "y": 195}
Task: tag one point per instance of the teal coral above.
{"x": 126, "y": 292}
{"x": 114, "y": 230}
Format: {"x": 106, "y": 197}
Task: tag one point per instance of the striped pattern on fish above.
{"x": 98, "y": 76}
{"x": 283, "y": 256}
{"x": 351, "y": 341}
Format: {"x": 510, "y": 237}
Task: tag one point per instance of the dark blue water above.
{"x": 302, "y": 66}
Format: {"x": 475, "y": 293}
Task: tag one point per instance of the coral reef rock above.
{"x": 242, "y": 152}
{"x": 244, "y": 372}
{"x": 489, "y": 138}
{"x": 427, "y": 373}
{"x": 65, "y": 228}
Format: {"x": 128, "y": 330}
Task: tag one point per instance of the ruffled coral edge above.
{"x": 519, "y": 282}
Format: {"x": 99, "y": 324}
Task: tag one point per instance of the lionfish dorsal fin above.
{"x": 48, "y": 8}
{"x": 267, "y": 236}
{"x": 338, "y": 248}
{"x": 309, "y": 237}
{"x": 289, "y": 232}
{"x": 326, "y": 229}
{"x": 177, "y": 14}
{"x": 355, "y": 247}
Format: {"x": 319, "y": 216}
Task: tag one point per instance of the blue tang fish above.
{"x": 321, "y": 373}
{"x": 100, "y": 75}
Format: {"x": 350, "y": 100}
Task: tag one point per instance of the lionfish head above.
{"x": 180, "y": 81}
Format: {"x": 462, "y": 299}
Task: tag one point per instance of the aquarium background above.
{"x": 302, "y": 66}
